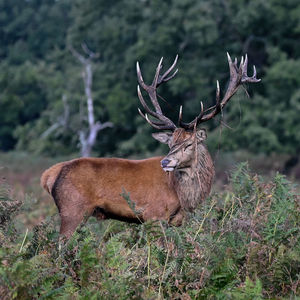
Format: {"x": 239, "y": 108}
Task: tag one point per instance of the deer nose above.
{"x": 165, "y": 162}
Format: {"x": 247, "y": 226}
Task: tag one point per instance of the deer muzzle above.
{"x": 167, "y": 166}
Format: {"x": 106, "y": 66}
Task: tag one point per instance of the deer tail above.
{"x": 49, "y": 177}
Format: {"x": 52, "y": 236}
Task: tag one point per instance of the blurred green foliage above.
{"x": 37, "y": 70}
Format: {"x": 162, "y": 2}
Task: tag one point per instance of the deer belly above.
{"x": 143, "y": 207}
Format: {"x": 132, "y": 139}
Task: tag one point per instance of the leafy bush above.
{"x": 240, "y": 244}
{"x": 8, "y": 208}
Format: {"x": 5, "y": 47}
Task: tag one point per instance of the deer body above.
{"x": 94, "y": 186}
{"x": 159, "y": 187}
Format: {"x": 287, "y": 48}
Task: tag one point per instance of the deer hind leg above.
{"x": 73, "y": 209}
{"x": 70, "y": 222}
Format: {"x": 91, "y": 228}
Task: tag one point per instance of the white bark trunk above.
{"x": 88, "y": 139}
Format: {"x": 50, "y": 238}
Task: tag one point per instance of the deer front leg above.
{"x": 178, "y": 218}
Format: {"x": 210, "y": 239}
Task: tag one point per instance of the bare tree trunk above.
{"x": 88, "y": 138}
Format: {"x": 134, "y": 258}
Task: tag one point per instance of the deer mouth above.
{"x": 166, "y": 164}
{"x": 169, "y": 169}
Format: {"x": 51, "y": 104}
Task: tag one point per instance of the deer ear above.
{"x": 201, "y": 135}
{"x": 163, "y": 137}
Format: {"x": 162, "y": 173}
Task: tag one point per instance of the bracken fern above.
{"x": 243, "y": 243}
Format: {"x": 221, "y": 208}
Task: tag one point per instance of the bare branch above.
{"x": 76, "y": 54}
{"x": 62, "y": 120}
{"x": 90, "y": 53}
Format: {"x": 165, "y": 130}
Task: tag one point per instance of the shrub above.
{"x": 240, "y": 244}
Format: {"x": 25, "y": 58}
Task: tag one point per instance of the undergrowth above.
{"x": 240, "y": 244}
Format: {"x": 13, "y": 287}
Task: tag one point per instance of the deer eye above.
{"x": 188, "y": 147}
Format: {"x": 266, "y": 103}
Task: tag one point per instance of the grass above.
{"x": 242, "y": 243}
{"x": 22, "y": 171}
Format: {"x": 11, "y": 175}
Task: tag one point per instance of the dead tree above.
{"x": 87, "y": 137}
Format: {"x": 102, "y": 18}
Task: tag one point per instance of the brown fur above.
{"x": 192, "y": 181}
{"x": 93, "y": 186}
{"x": 194, "y": 186}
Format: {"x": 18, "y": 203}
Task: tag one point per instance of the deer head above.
{"x": 186, "y": 140}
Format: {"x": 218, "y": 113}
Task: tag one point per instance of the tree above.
{"x": 126, "y": 31}
{"x": 87, "y": 137}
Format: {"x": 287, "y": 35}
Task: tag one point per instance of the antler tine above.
{"x": 235, "y": 62}
{"x": 202, "y": 110}
{"x": 232, "y": 69}
{"x": 254, "y": 72}
{"x": 154, "y": 122}
{"x": 245, "y": 77}
{"x": 242, "y": 62}
{"x": 155, "y": 80}
{"x": 163, "y": 77}
{"x": 180, "y": 115}
{"x": 218, "y": 102}
{"x": 245, "y": 65}
{"x": 218, "y": 91}
{"x": 157, "y": 125}
{"x": 143, "y": 102}
{"x": 229, "y": 59}
{"x": 238, "y": 76}
{"x": 191, "y": 124}
{"x": 165, "y": 123}
{"x": 171, "y": 76}
{"x": 151, "y": 90}
{"x": 139, "y": 76}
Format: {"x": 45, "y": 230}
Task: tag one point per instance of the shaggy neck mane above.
{"x": 193, "y": 184}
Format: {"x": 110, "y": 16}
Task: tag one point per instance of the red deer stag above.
{"x": 161, "y": 188}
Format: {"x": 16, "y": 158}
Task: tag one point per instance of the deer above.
{"x": 159, "y": 188}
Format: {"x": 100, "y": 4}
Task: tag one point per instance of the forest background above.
{"x": 243, "y": 242}
{"x": 43, "y": 103}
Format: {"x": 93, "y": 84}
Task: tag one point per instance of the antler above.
{"x": 238, "y": 76}
{"x": 162, "y": 123}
